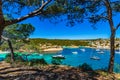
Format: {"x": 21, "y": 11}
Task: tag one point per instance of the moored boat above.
{"x": 58, "y": 56}
{"x": 75, "y": 52}
{"x": 101, "y": 52}
{"x": 83, "y": 50}
{"x": 95, "y": 58}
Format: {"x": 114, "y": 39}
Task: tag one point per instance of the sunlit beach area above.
{"x": 59, "y": 39}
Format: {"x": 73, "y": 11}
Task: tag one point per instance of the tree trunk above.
{"x": 11, "y": 48}
{"x": 112, "y": 52}
{"x": 112, "y": 37}
{"x": 12, "y": 52}
{"x": 0, "y": 33}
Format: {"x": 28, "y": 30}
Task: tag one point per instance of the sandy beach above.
{"x": 2, "y": 52}
{"x": 52, "y": 50}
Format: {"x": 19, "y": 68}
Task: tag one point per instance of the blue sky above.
{"x": 46, "y": 29}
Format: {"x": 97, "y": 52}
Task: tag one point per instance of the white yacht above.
{"x": 83, "y": 50}
{"x": 101, "y": 52}
{"x": 75, "y": 52}
{"x": 95, "y": 58}
{"x": 58, "y": 56}
{"x": 97, "y": 49}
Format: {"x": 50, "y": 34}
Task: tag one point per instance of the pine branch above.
{"x": 117, "y": 26}
{"x": 34, "y": 13}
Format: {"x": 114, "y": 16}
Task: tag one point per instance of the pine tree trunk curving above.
{"x": 11, "y": 48}
{"x": 112, "y": 52}
{"x": 12, "y": 52}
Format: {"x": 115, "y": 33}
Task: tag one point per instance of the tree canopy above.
{"x": 96, "y": 11}
{"x": 14, "y": 9}
{"x": 18, "y": 31}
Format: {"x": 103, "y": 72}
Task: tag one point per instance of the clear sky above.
{"x": 46, "y": 29}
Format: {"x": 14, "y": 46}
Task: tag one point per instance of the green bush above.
{"x": 8, "y": 59}
{"x": 37, "y": 62}
{"x": 20, "y": 61}
{"x": 56, "y": 61}
{"x": 16, "y": 56}
{"x": 85, "y": 67}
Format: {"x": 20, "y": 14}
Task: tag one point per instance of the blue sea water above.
{"x": 2, "y": 56}
{"x": 80, "y": 57}
{"x": 76, "y": 56}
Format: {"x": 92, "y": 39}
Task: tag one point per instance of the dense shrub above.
{"x": 16, "y": 56}
{"x": 37, "y": 62}
{"x": 85, "y": 67}
{"x": 56, "y": 61}
{"x": 20, "y": 61}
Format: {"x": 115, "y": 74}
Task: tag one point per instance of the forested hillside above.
{"x": 59, "y": 42}
{"x": 38, "y": 44}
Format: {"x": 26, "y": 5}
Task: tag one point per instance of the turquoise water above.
{"x": 2, "y": 56}
{"x": 76, "y": 56}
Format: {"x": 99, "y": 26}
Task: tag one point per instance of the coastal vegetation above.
{"x": 95, "y": 12}
{"x": 60, "y": 42}
{"x": 39, "y": 44}
{"x": 76, "y": 11}
{"x": 25, "y": 71}
{"x": 19, "y": 60}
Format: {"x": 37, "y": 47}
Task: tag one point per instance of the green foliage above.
{"x": 15, "y": 7}
{"x": 34, "y": 44}
{"x": 116, "y": 6}
{"x": 17, "y": 57}
{"x": 59, "y": 42}
{"x": 53, "y": 10}
{"x": 80, "y": 10}
{"x": 19, "y": 61}
{"x": 8, "y": 60}
{"x": 18, "y": 31}
{"x": 4, "y": 46}
{"x": 35, "y": 62}
{"x": 56, "y": 61}
{"x": 85, "y": 67}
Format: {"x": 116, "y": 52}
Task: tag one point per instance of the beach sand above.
{"x": 52, "y": 50}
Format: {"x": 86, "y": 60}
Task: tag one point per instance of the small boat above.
{"x": 95, "y": 58}
{"x": 97, "y": 49}
{"x": 83, "y": 50}
{"x": 101, "y": 52}
{"x": 75, "y": 52}
{"x": 58, "y": 56}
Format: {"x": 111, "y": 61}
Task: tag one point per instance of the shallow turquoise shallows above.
{"x": 78, "y": 56}
{"x": 2, "y": 56}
